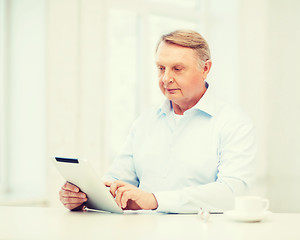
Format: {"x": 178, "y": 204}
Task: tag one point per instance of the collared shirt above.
{"x": 199, "y": 160}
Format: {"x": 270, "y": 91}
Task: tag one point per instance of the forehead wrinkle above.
{"x": 172, "y": 64}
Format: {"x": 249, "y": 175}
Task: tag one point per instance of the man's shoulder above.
{"x": 230, "y": 113}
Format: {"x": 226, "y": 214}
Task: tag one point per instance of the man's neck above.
{"x": 181, "y": 107}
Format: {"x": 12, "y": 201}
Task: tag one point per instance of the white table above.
{"x": 47, "y": 223}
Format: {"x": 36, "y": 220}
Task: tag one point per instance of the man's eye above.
{"x": 161, "y": 68}
{"x": 177, "y": 69}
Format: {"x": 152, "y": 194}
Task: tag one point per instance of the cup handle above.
{"x": 265, "y": 204}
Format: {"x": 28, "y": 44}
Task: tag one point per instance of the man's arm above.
{"x": 123, "y": 166}
{"x": 235, "y": 169}
{"x": 235, "y": 174}
{"x": 213, "y": 197}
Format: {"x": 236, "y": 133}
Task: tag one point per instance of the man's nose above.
{"x": 166, "y": 77}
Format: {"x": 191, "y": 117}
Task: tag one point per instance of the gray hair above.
{"x": 189, "y": 39}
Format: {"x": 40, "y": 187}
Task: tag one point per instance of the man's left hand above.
{"x": 129, "y": 197}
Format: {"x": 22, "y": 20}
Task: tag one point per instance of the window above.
{"x": 134, "y": 28}
{"x": 23, "y": 98}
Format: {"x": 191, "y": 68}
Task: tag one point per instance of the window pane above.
{"x": 122, "y": 77}
{"x": 26, "y": 99}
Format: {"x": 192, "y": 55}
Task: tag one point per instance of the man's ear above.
{"x": 206, "y": 68}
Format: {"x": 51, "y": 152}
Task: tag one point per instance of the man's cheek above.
{"x": 161, "y": 87}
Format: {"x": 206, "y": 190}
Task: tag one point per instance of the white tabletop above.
{"x": 47, "y": 223}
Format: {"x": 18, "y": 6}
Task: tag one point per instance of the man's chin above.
{"x": 171, "y": 97}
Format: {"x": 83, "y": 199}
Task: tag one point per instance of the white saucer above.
{"x": 246, "y": 217}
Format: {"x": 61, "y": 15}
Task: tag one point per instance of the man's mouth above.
{"x": 172, "y": 90}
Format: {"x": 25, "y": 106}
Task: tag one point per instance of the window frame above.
{"x": 3, "y": 75}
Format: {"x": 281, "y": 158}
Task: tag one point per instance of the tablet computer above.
{"x": 81, "y": 174}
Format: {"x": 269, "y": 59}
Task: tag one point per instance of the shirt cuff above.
{"x": 168, "y": 201}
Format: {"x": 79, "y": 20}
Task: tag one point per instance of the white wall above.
{"x": 270, "y": 84}
{"x": 253, "y": 78}
{"x": 283, "y": 104}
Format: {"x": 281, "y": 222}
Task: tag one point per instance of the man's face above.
{"x": 181, "y": 79}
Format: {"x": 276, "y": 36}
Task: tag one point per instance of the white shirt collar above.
{"x": 205, "y": 104}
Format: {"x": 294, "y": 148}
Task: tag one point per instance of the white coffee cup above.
{"x": 251, "y": 204}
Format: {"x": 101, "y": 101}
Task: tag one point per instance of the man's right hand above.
{"x": 71, "y": 197}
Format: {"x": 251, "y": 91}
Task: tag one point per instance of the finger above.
{"x": 132, "y": 205}
{"x": 70, "y": 187}
{"x": 114, "y": 186}
{"x": 66, "y": 193}
{"x": 108, "y": 184}
{"x": 125, "y": 197}
{"x": 119, "y": 194}
{"x": 70, "y": 200}
{"x": 72, "y": 206}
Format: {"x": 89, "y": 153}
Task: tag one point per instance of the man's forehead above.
{"x": 176, "y": 54}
